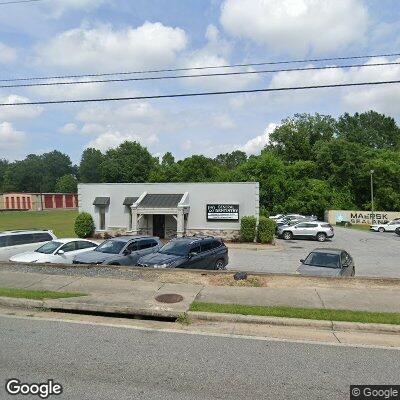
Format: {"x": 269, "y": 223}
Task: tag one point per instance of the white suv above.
{"x": 18, "y": 241}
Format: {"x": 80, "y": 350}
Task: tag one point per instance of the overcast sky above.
{"x": 52, "y": 37}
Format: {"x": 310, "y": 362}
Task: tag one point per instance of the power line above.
{"x": 164, "y": 96}
{"x": 252, "y": 64}
{"x": 17, "y": 2}
{"x": 197, "y": 75}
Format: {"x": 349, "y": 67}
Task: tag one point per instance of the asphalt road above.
{"x": 374, "y": 253}
{"x": 100, "y": 362}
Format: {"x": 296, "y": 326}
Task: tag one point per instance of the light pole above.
{"x": 372, "y": 194}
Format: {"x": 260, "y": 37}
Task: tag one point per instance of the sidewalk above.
{"x": 139, "y": 297}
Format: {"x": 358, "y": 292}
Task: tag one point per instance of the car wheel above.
{"x": 220, "y": 264}
{"x": 287, "y": 235}
{"x": 381, "y": 229}
{"x": 114, "y": 263}
{"x": 321, "y": 237}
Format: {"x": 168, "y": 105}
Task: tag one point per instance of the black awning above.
{"x": 101, "y": 201}
{"x": 161, "y": 200}
{"x": 129, "y": 201}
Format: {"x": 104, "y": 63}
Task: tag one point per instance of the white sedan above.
{"x": 388, "y": 227}
{"x": 59, "y": 251}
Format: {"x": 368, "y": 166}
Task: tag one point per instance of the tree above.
{"x": 3, "y": 168}
{"x": 66, "y": 184}
{"x": 54, "y": 165}
{"x": 90, "y": 166}
{"x": 197, "y": 169}
{"x": 129, "y": 162}
{"x": 374, "y": 130}
{"x": 231, "y": 160}
{"x": 295, "y": 138}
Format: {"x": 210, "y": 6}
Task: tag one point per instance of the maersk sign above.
{"x": 360, "y": 217}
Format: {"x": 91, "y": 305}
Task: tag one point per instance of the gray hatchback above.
{"x": 328, "y": 262}
{"x": 123, "y": 250}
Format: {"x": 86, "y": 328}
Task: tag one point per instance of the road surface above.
{"x": 103, "y": 362}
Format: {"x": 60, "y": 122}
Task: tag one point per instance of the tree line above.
{"x": 313, "y": 163}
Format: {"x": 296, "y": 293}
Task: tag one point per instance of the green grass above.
{"x": 303, "y": 313}
{"x": 59, "y": 221}
{"x": 36, "y": 294}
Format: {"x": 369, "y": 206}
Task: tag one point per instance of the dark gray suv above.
{"x": 189, "y": 252}
{"x": 123, "y": 250}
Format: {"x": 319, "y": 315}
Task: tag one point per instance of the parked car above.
{"x": 18, "y": 241}
{"x": 122, "y": 250}
{"x": 277, "y": 216}
{"x": 388, "y": 227}
{"x": 328, "y": 262}
{"x": 290, "y": 217}
{"x": 194, "y": 252}
{"x": 59, "y": 251}
{"x": 307, "y": 230}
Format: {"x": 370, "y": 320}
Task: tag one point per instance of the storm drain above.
{"x": 169, "y": 298}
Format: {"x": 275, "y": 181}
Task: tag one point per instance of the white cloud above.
{"x": 10, "y": 138}
{"x": 255, "y": 145}
{"x": 297, "y": 26}
{"x": 59, "y": 7}
{"x": 223, "y": 121}
{"x": 69, "y": 129}
{"x": 151, "y": 44}
{"x": 215, "y": 53}
{"x": 7, "y": 54}
{"x": 112, "y": 139}
{"x": 12, "y": 113}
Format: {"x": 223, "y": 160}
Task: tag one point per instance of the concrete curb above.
{"x": 309, "y": 323}
{"x": 87, "y": 307}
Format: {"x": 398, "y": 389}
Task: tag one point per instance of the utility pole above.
{"x": 372, "y": 194}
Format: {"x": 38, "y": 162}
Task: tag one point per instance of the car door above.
{"x": 147, "y": 246}
{"x": 196, "y": 259}
{"x": 83, "y": 246}
{"x": 299, "y": 230}
{"x": 130, "y": 254}
{"x": 310, "y": 229}
{"x": 15, "y": 244}
{"x": 346, "y": 265}
{"x": 70, "y": 251}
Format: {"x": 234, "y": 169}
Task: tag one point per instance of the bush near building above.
{"x": 248, "y": 226}
{"x": 266, "y": 230}
{"x": 84, "y": 225}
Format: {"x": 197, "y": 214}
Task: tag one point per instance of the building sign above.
{"x": 360, "y": 217}
{"x": 218, "y": 212}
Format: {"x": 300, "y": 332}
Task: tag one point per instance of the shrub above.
{"x": 265, "y": 230}
{"x": 248, "y": 228}
{"x": 84, "y": 225}
{"x": 264, "y": 212}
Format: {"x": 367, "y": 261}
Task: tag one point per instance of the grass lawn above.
{"x": 36, "y": 294}
{"x": 360, "y": 227}
{"x": 60, "y": 221}
{"x": 304, "y": 313}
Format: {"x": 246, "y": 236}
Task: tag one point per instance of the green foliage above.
{"x": 66, "y": 184}
{"x": 129, "y": 162}
{"x": 313, "y": 162}
{"x": 264, "y": 212}
{"x": 90, "y": 167}
{"x": 84, "y": 225}
{"x": 266, "y": 230}
{"x": 248, "y": 226}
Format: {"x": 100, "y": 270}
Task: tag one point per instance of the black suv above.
{"x": 194, "y": 252}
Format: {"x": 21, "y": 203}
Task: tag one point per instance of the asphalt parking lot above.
{"x": 375, "y": 254}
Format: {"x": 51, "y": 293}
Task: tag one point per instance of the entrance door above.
{"x": 159, "y": 225}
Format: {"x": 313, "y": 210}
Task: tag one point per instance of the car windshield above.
{"x": 49, "y": 248}
{"x": 175, "y": 248}
{"x": 110, "y": 247}
{"x": 327, "y": 260}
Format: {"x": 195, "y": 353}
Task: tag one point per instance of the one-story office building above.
{"x": 170, "y": 209}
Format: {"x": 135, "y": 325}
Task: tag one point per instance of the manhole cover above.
{"x": 169, "y": 298}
